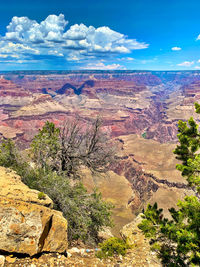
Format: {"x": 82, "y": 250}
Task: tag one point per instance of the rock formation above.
{"x": 135, "y": 238}
{"x": 28, "y": 224}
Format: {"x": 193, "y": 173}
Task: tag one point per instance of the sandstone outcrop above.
{"x": 28, "y": 224}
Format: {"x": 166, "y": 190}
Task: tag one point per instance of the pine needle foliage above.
{"x": 177, "y": 240}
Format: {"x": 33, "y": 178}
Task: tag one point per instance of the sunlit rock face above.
{"x": 28, "y": 225}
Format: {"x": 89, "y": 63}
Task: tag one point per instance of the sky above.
{"x": 101, "y": 34}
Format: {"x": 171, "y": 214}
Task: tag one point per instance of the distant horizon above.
{"x": 97, "y": 70}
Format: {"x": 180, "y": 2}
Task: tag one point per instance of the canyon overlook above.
{"x": 139, "y": 109}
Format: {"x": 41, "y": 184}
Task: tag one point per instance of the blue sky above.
{"x": 101, "y": 34}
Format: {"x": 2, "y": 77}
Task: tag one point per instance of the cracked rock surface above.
{"x": 28, "y": 225}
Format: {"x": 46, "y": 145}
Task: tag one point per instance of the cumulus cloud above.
{"x": 77, "y": 32}
{"x": 53, "y": 37}
{"x": 186, "y": 64}
{"x": 102, "y": 66}
{"x": 11, "y": 47}
{"x": 176, "y": 48}
{"x": 22, "y": 29}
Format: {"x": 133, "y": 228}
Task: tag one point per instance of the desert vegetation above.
{"x": 177, "y": 240}
{"x": 52, "y": 165}
{"x": 111, "y": 247}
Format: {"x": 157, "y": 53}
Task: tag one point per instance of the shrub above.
{"x": 41, "y": 195}
{"x": 8, "y": 153}
{"x": 144, "y": 135}
{"x": 112, "y": 246}
{"x": 86, "y": 213}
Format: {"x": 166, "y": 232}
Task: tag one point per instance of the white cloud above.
{"x": 51, "y": 38}
{"x": 55, "y": 53}
{"x": 186, "y": 64}
{"x": 198, "y": 37}
{"x": 3, "y": 56}
{"x": 197, "y": 67}
{"x": 11, "y": 47}
{"x": 130, "y": 58}
{"x": 126, "y": 59}
{"x": 102, "y": 66}
{"x": 176, "y": 48}
{"x": 7, "y": 55}
{"x": 73, "y": 58}
{"x": 100, "y": 40}
{"x": 22, "y": 29}
{"x": 76, "y": 32}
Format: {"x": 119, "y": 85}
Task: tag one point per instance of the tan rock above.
{"x": 12, "y": 187}
{"x": 10, "y": 259}
{"x": 140, "y": 245}
{"x": 26, "y": 226}
{"x": 105, "y": 233}
{"x": 115, "y": 189}
{"x": 2, "y": 260}
{"x": 131, "y": 233}
{"x": 9, "y": 132}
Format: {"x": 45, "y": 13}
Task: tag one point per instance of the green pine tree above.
{"x": 177, "y": 241}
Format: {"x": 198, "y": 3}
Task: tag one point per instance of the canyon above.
{"x": 139, "y": 110}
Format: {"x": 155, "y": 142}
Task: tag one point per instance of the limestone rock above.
{"x": 105, "y": 233}
{"x": 140, "y": 245}
{"x": 27, "y": 225}
{"x": 12, "y": 187}
{"x": 132, "y": 233}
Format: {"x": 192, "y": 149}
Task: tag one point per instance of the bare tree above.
{"x": 87, "y": 146}
{"x": 72, "y": 146}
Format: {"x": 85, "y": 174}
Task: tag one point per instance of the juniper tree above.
{"x": 45, "y": 146}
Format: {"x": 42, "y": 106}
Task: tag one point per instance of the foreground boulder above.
{"x": 28, "y": 224}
